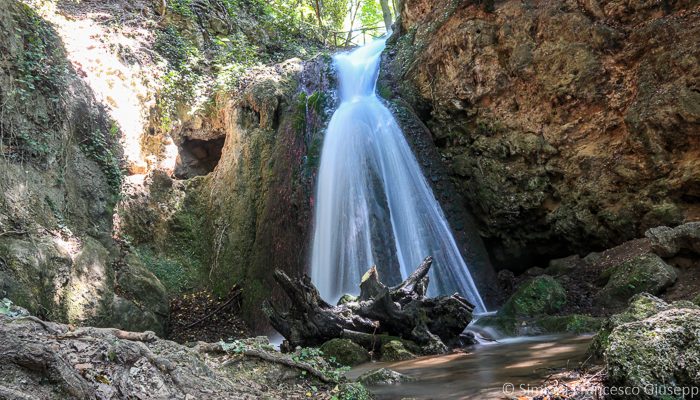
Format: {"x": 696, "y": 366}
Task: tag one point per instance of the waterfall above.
{"x": 373, "y": 204}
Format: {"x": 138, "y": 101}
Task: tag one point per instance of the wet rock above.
{"x": 539, "y": 296}
{"x": 383, "y": 376}
{"x": 395, "y": 351}
{"x": 345, "y": 352}
{"x": 667, "y": 242}
{"x": 644, "y": 273}
{"x": 468, "y": 339}
{"x": 659, "y": 354}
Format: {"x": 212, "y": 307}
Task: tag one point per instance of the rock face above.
{"x": 253, "y": 211}
{"x": 59, "y": 184}
{"x": 566, "y": 126}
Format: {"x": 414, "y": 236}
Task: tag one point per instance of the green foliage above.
{"x": 40, "y": 67}
{"x": 335, "y": 11}
{"x": 316, "y": 102}
{"x": 98, "y": 146}
{"x": 371, "y": 14}
{"x": 180, "y": 82}
{"x": 181, "y": 7}
{"x": 352, "y": 391}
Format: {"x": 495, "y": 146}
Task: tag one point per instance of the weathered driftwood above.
{"x": 403, "y": 311}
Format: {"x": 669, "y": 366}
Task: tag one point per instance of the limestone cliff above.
{"x": 564, "y": 126}
{"x": 252, "y": 213}
{"x": 60, "y": 178}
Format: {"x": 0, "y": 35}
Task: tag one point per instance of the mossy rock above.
{"x": 395, "y": 351}
{"x": 539, "y": 296}
{"x": 641, "y": 306}
{"x": 645, "y": 273}
{"x": 345, "y": 352}
{"x": 347, "y": 298}
{"x": 661, "y": 352}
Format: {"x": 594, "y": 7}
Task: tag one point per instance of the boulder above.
{"x": 383, "y": 376}
{"x": 641, "y": 306}
{"x": 660, "y": 354}
{"x": 345, "y": 352}
{"x": 644, "y": 273}
{"x": 539, "y": 296}
{"x": 667, "y": 242}
{"x": 142, "y": 303}
{"x": 395, "y": 351}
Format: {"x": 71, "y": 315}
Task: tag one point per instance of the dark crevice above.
{"x": 198, "y": 157}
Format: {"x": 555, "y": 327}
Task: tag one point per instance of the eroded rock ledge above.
{"x": 566, "y": 126}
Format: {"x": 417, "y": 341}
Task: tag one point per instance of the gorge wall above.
{"x": 60, "y": 179}
{"x": 564, "y": 127}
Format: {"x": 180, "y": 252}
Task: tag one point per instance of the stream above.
{"x": 486, "y": 372}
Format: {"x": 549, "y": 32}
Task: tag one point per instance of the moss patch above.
{"x": 542, "y": 295}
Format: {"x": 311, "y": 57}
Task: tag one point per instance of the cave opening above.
{"x": 198, "y": 157}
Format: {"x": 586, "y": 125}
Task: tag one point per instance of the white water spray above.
{"x": 373, "y": 204}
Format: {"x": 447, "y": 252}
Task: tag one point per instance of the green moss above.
{"x": 503, "y": 325}
{"x": 395, "y": 351}
{"x": 539, "y": 296}
{"x": 645, "y": 273}
{"x": 641, "y": 306}
{"x": 575, "y": 323}
{"x": 175, "y": 275}
{"x": 384, "y": 90}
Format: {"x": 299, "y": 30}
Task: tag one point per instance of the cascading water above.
{"x": 373, "y": 204}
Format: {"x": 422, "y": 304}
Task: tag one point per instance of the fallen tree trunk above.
{"x": 403, "y": 311}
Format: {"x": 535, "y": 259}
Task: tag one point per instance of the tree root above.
{"x": 280, "y": 359}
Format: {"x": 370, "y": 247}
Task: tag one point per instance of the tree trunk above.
{"x": 402, "y": 311}
{"x": 317, "y": 9}
{"x": 386, "y": 13}
{"x": 353, "y": 15}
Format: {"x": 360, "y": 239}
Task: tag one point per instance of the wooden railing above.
{"x": 353, "y": 37}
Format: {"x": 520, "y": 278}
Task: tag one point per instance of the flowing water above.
{"x": 373, "y": 204}
{"x": 511, "y": 367}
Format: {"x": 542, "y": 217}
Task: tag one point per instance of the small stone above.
{"x": 383, "y": 376}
